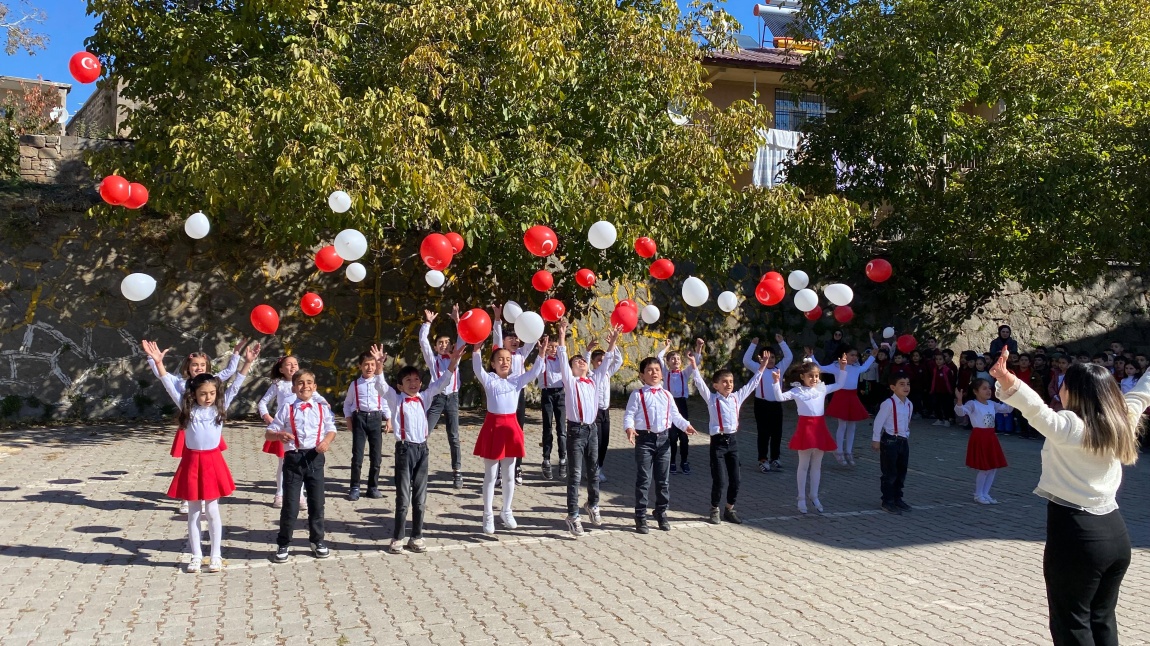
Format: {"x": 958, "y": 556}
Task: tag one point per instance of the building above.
{"x": 47, "y": 98}
{"x": 102, "y": 116}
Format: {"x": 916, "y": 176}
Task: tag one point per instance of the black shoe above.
{"x": 664, "y": 524}
{"x": 902, "y": 506}
{"x": 562, "y": 468}
{"x": 715, "y": 517}
{"x": 686, "y": 468}
{"x": 457, "y": 480}
{"x": 890, "y": 508}
{"x": 731, "y": 517}
{"x": 320, "y": 550}
{"x": 281, "y": 555}
{"x": 518, "y": 475}
{"x": 674, "y": 468}
{"x": 547, "y": 469}
{"x": 641, "y": 526}
{"x": 499, "y": 482}
{"x": 353, "y": 495}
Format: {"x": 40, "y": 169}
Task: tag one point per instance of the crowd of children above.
{"x": 895, "y": 386}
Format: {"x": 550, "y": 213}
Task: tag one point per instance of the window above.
{"x": 793, "y": 110}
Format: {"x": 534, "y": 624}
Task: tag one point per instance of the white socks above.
{"x": 490, "y": 471}
{"x": 215, "y": 526}
{"x": 982, "y": 483}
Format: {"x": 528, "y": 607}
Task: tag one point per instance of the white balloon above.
{"x": 806, "y": 300}
{"x": 602, "y": 234}
{"x": 798, "y": 279}
{"x": 356, "y": 272}
{"x": 839, "y": 294}
{"x": 350, "y": 244}
{"x": 339, "y": 201}
{"x": 137, "y": 287}
{"x": 728, "y": 301}
{"x": 695, "y": 292}
{"x": 434, "y": 278}
{"x": 888, "y": 333}
{"x": 528, "y": 326}
{"x": 511, "y": 311}
{"x": 197, "y": 225}
{"x": 650, "y": 314}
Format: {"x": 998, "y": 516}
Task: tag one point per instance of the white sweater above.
{"x": 1072, "y": 475}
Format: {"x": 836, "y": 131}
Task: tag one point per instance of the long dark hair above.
{"x": 1109, "y": 427}
{"x": 189, "y": 400}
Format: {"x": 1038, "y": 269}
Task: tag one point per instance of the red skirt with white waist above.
{"x": 812, "y": 433}
{"x": 983, "y": 450}
{"x": 501, "y": 437}
{"x": 845, "y": 405}
{"x": 178, "y": 444}
{"x": 274, "y": 447}
{"x": 202, "y": 475}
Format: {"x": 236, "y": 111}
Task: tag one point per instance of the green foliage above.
{"x": 9, "y": 150}
{"x": 993, "y": 139}
{"x": 481, "y": 116}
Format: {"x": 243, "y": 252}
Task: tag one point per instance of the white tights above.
{"x": 810, "y": 460}
{"x": 280, "y": 478}
{"x": 215, "y": 527}
{"x": 982, "y": 483}
{"x": 845, "y": 436}
{"x": 490, "y": 471}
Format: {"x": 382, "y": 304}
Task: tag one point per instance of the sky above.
{"x": 68, "y": 24}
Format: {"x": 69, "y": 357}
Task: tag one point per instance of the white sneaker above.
{"x": 508, "y": 520}
{"x": 593, "y": 514}
{"x": 396, "y": 546}
{"x": 981, "y": 500}
{"x": 991, "y": 501}
{"x": 937, "y": 422}
{"x": 278, "y": 502}
{"x": 802, "y": 506}
{"x": 183, "y": 506}
{"x": 574, "y": 526}
{"x": 194, "y": 565}
{"x": 488, "y": 524}
{"x": 850, "y": 458}
{"x": 946, "y": 423}
{"x": 817, "y": 505}
{"x": 215, "y": 565}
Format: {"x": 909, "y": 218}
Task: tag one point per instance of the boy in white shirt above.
{"x": 892, "y": 440}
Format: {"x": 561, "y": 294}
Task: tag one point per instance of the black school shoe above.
{"x": 320, "y": 550}
{"x": 664, "y": 524}
{"x": 903, "y": 506}
{"x": 641, "y": 526}
{"x": 891, "y": 508}
{"x": 281, "y": 555}
{"x": 731, "y": 517}
{"x": 374, "y": 493}
{"x": 353, "y": 494}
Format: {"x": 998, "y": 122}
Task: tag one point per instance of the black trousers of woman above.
{"x": 1086, "y": 557}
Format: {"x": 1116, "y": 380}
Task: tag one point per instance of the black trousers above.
{"x": 366, "y": 427}
{"x": 652, "y": 461}
{"x": 554, "y": 422}
{"x": 893, "y": 457}
{"x": 410, "y": 487}
{"x": 769, "y": 421}
{"x": 1085, "y": 559}
{"x": 724, "y": 468}
{"x": 603, "y": 421}
{"x": 943, "y": 405}
{"x": 679, "y": 443}
{"x": 583, "y": 448}
{"x": 447, "y": 405}
{"x": 302, "y": 470}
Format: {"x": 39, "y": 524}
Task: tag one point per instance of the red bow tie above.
{"x": 654, "y": 389}
{"x": 585, "y": 380}
{"x": 445, "y": 356}
{"x": 675, "y": 372}
{"x": 304, "y": 406}
{"x": 412, "y": 399}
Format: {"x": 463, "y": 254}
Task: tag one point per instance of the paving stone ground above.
{"x": 91, "y": 552}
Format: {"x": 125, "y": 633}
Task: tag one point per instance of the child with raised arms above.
{"x": 811, "y": 439}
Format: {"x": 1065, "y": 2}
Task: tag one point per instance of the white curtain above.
{"x": 773, "y": 150}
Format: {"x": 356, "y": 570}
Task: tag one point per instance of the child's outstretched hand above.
{"x": 455, "y": 313}
{"x": 239, "y": 345}
{"x": 694, "y": 364}
{"x": 690, "y": 430}
{"x": 699, "y": 344}
{"x": 958, "y": 397}
{"x": 613, "y": 336}
{"x": 379, "y": 355}
{"x": 666, "y": 344}
{"x": 763, "y": 363}
{"x": 779, "y": 339}
{"x": 631, "y": 435}
{"x": 843, "y": 363}
{"x": 755, "y": 341}
{"x": 775, "y": 376}
{"x": 152, "y": 350}
{"x": 252, "y": 352}
{"x": 562, "y": 329}
{"x": 429, "y": 316}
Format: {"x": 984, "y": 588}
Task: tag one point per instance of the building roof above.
{"x": 16, "y": 79}
{"x": 756, "y": 58}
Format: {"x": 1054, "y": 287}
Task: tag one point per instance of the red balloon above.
{"x": 627, "y": 317}
{"x": 327, "y": 260}
{"x": 585, "y": 278}
{"x": 814, "y": 314}
{"x": 662, "y": 269}
{"x": 311, "y": 304}
{"x": 773, "y": 277}
{"x": 456, "y": 241}
{"x": 84, "y": 66}
{"x": 844, "y": 314}
{"x": 626, "y": 302}
{"x": 769, "y": 293}
{"x": 541, "y": 240}
{"x": 906, "y": 344}
{"x": 552, "y": 310}
{"x": 436, "y": 251}
{"x": 114, "y": 190}
{"x": 542, "y": 280}
{"x": 878, "y": 270}
{"x": 474, "y": 326}
{"x": 137, "y": 196}
{"x": 265, "y": 319}
{"x": 646, "y": 247}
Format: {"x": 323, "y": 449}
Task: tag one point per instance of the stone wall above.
{"x": 53, "y": 159}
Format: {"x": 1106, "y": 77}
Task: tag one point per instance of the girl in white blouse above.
{"x": 811, "y": 438}
{"x": 983, "y": 450}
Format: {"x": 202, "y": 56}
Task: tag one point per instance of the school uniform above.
{"x": 845, "y": 403}
{"x": 613, "y": 360}
{"x": 811, "y": 431}
{"x": 768, "y": 410}
{"x": 180, "y": 384}
{"x": 675, "y": 381}
{"x": 446, "y": 403}
{"x": 411, "y": 429}
{"x": 364, "y": 406}
{"x": 983, "y": 450}
{"x": 518, "y": 360}
{"x": 552, "y": 403}
{"x": 308, "y": 422}
{"x": 582, "y": 409}
{"x": 278, "y": 394}
{"x": 892, "y": 432}
{"x": 501, "y": 436}
{"x": 203, "y": 473}
{"x": 723, "y": 426}
{"x": 651, "y": 411}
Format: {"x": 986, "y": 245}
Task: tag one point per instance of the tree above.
{"x": 993, "y": 139}
{"x": 481, "y": 116}
{"x": 16, "y": 20}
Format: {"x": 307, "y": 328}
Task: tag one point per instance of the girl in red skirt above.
{"x": 811, "y": 438}
{"x": 203, "y": 474}
{"x": 983, "y": 451}
{"x": 195, "y": 364}
{"x": 845, "y": 405}
{"x": 500, "y": 440}
{"x": 278, "y": 395}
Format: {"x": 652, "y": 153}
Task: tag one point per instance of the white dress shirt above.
{"x": 651, "y": 408}
{"x": 410, "y": 423}
{"x": 204, "y": 428}
{"x": 613, "y": 361}
{"x": 552, "y": 375}
{"x": 519, "y": 357}
{"x": 502, "y": 394}
{"x": 581, "y": 393}
{"x": 763, "y": 391}
{"x": 280, "y": 392}
{"x": 675, "y": 380}
{"x": 437, "y": 363}
{"x": 308, "y": 422}
{"x": 851, "y": 380}
{"x": 724, "y": 411}
{"x": 365, "y": 396}
{"x": 181, "y": 383}
{"x": 981, "y": 415}
{"x": 893, "y": 418}
{"x": 811, "y": 402}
